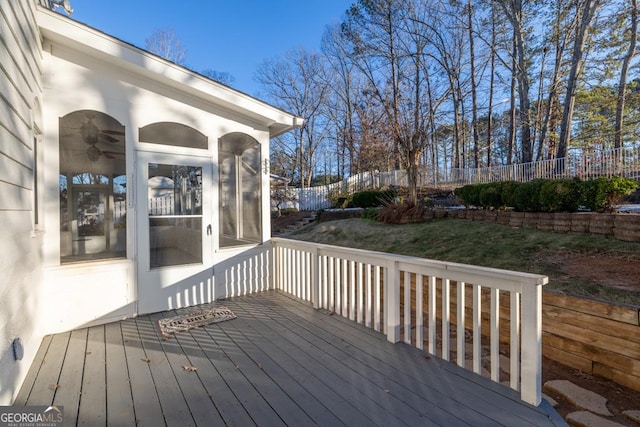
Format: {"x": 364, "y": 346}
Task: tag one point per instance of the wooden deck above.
{"x": 279, "y": 363}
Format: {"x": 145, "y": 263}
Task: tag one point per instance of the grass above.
{"x": 493, "y": 245}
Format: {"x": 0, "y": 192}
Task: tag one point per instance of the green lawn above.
{"x": 569, "y": 259}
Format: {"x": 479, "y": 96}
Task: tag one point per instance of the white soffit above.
{"x": 59, "y": 29}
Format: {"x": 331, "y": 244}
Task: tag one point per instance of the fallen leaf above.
{"x": 146, "y": 360}
{"x": 260, "y": 365}
{"x": 189, "y": 368}
{"x": 55, "y": 386}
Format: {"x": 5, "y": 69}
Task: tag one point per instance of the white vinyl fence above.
{"x": 623, "y": 162}
{"x": 393, "y": 294}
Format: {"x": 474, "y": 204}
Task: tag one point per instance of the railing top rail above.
{"x": 486, "y": 276}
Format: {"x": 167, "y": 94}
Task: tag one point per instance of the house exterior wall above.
{"x": 20, "y": 238}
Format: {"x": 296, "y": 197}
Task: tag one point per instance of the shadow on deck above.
{"x": 279, "y": 363}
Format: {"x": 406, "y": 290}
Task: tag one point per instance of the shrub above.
{"x": 527, "y": 196}
{"x": 559, "y": 195}
{"x": 469, "y": 195}
{"x": 508, "y": 189}
{"x": 490, "y": 196}
{"x": 373, "y": 198}
{"x": 338, "y": 199}
{"x": 602, "y": 193}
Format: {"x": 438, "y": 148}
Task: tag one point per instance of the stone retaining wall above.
{"x": 621, "y": 226}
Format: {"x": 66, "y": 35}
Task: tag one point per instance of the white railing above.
{"x": 394, "y": 294}
{"x": 623, "y": 162}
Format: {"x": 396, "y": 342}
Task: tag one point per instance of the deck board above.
{"x": 93, "y": 398}
{"x": 279, "y": 363}
{"x": 71, "y": 375}
{"x": 47, "y": 380}
{"x": 146, "y": 404}
{"x": 25, "y": 390}
{"x": 119, "y": 400}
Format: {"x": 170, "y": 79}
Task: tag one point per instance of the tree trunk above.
{"x": 622, "y": 85}
{"x": 512, "y": 116}
{"x": 587, "y": 12}
{"x": 491, "y": 85}
{"x": 474, "y": 102}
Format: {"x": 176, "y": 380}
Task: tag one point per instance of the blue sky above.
{"x": 232, "y": 36}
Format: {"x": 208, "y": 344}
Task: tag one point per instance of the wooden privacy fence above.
{"x": 369, "y": 288}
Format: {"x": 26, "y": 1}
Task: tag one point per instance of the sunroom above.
{"x": 154, "y": 178}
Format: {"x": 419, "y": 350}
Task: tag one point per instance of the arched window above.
{"x": 92, "y": 187}
{"x": 175, "y": 134}
{"x": 240, "y": 190}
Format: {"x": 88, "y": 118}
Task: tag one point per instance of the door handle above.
{"x": 209, "y": 230}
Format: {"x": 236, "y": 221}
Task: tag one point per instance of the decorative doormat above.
{"x": 195, "y": 319}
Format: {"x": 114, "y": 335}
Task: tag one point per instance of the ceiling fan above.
{"x": 91, "y": 135}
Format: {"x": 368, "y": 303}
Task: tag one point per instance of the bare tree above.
{"x": 388, "y": 45}
{"x": 298, "y": 83}
{"x": 165, "y": 43}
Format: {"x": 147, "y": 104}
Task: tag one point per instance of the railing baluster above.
{"x": 338, "y": 276}
{"x": 514, "y": 341}
{"x": 432, "y": 314}
{"x": 419, "y": 313}
{"x": 377, "y": 283}
{"x": 369, "y": 297}
{"x": 407, "y": 307}
{"x": 495, "y": 334}
{"x": 331, "y": 285}
{"x": 461, "y": 326}
{"x": 477, "y": 329}
{"x": 345, "y": 288}
{"x": 352, "y": 290}
{"x": 446, "y": 319}
{"x": 360, "y": 293}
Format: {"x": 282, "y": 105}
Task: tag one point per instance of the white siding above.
{"x": 20, "y": 259}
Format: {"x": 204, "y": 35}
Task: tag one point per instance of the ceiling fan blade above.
{"x": 113, "y": 153}
{"x": 112, "y": 132}
{"x": 108, "y": 138}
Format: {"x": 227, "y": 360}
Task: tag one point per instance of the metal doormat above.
{"x": 195, "y": 319}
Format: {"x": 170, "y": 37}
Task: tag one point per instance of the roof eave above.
{"x": 62, "y": 30}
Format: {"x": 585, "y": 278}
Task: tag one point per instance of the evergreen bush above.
{"x": 372, "y": 198}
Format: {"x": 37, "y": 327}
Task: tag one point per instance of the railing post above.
{"x": 531, "y": 358}
{"x": 392, "y": 301}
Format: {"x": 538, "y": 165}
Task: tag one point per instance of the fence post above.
{"x": 392, "y": 301}
{"x": 531, "y": 358}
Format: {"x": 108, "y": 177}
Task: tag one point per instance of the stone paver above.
{"x": 633, "y": 415}
{"x": 579, "y": 396}
{"x": 587, "y": 419}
